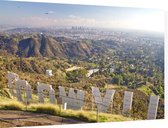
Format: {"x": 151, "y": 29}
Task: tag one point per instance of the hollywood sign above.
{"x": 76, "y": 100}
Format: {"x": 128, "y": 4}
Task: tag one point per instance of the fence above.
{"x": 76, "y": 99}
{"x": 88, "y": 105}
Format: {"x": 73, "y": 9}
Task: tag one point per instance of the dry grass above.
{"x": 55, "y": 110}
{"x": 88, "y": 116}
{"x": 44, "y": 108}
{"x": 12, "y": 105}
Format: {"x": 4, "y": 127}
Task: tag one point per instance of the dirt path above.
{"x": 73, "y": 68}
{"x": 9, "y": 118}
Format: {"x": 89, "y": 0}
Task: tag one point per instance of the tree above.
{"x": 76, "y": 75}
{"x": 118, "y": 79}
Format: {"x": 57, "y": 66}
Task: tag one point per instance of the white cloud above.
{"x": 72, "y": 16}
{"x": 79, "y": 21}
{"x": 37, "y": 21}
{"x": 46, "y": 21}
{"x": 153, "y": 22}
{"x": 51, "y": 12}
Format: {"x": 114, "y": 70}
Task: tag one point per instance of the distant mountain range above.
{"x": 39, "y": 45}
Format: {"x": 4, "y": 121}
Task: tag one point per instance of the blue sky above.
{"x": 46, "y": 15}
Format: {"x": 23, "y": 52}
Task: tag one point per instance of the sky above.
{"x": 26, "y": 14}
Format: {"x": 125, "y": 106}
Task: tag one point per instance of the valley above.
{"x": 124, "y": 60}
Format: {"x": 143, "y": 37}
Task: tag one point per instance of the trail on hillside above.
{"x": 10, "y": 118}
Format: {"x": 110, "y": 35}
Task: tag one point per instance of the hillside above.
{"x": 44, "y": 46}
{"x": 130, "y": 62}
{"x": 33, "y": 70}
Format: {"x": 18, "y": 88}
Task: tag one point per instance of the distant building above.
{"x": 112, "y": 69}
{"x": 91, "y": 71}
{"x": 49, "y": 73}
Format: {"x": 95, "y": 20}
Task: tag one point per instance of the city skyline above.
{"x": 47, "y": 15}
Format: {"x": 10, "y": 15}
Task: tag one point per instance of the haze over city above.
{"x": 24, "y": 14}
